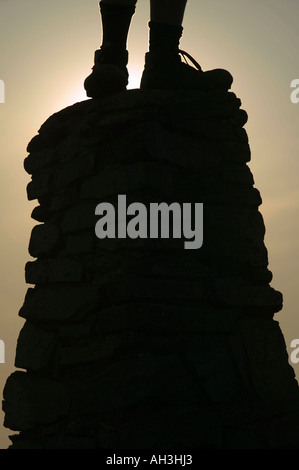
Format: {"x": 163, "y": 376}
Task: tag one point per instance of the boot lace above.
{"x": 186, "y": 56}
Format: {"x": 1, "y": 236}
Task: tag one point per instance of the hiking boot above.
{"x": 109, "y": 74}
{"x": 168, "y": 72}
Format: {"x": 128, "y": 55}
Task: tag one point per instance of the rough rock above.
{"x": 139, "y": 343}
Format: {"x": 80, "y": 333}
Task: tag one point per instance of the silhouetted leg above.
{"x": 116, "y": 18}
{"x": 110, "y": 74}
{"x": 168, "y": 11}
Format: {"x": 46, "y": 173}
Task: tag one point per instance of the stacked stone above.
{"x": 140, "y": 343}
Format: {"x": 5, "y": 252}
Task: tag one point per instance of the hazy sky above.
{"x": 47, "y": 50}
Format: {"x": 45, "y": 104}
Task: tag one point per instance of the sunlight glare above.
{"x": 134, "y": 77}
{"x": 75, "y": 95}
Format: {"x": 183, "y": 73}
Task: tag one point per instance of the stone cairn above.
{"x": 140, "y": 343}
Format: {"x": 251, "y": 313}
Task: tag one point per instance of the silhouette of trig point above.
{"x": 140, "y": 343}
